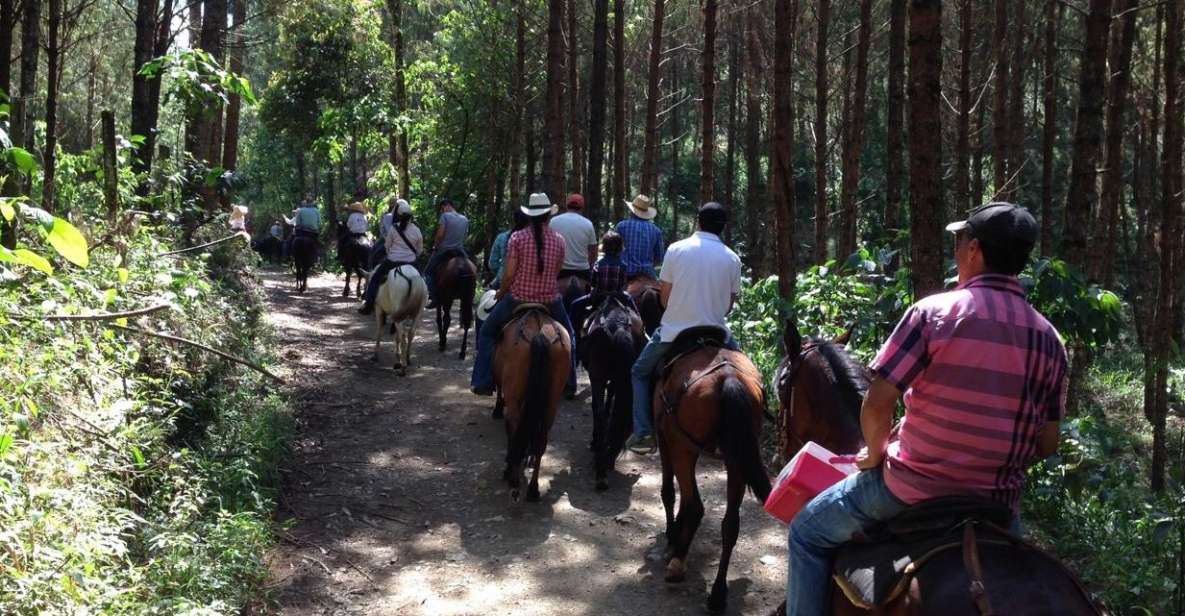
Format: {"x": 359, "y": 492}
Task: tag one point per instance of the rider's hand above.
{"x": 866, "y": 461}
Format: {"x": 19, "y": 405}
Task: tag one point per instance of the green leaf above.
{"x": 6, "y": 209}
{"x": 138, "y": 456}
{"x": 109, "y": 296}
{"x": 22, "y": 160}
{"x": 33, "y": 260}
{"x": 123, "y": 275}
{"x": 69, "y": 242}
{"x": 5, "y": 443}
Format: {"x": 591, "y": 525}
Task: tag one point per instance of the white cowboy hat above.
{"x": 642, "y": 208}
{"x": 402, "y": 206}
{"x": 539, "y": 205}
{"x": 486, "y": 304}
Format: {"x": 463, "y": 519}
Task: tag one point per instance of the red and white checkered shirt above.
{"x": 530, "y": 284}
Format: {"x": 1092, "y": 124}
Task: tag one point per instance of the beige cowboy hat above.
{"x": 357, "y": 206}
{"x": 539, "y": 205}
{"x": 642, "y": 207}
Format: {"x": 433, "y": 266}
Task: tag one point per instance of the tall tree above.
{"x": 146, "y": 16}
{"x": 854, "y": 137}
{"x": 895, "y": 123}
{"x": 754, "y": 69}
{"x": 823, "y": 12}
{"x": 619, "y": 150}
{"x": 8, "y": 18}
{"x": 734, "y": 78}
{"x": 708, "y": 106}
{"x": 1049, "y": 120}
{"x": 213, "y": 41}
{"x": 398, "y": 138}
{"x": 518, "y": 96}
{"x": 238, "y": 53}
{"x": 925, "y": 145}
{"x": 1000, "y": 132}
{"x": 1016, "y": 117}
{"x": 596, "y": 108}
{"x": 1083, "y": 192}
{"x": 650, "y": 144}
{"x": 30, "y": 47}
{"x": 575, "y": 170}
{"x": 963, "y": 140}
{"x": 553, "y": 115}
{"x": 782, "y": 150}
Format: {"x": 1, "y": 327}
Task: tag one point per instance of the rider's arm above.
{"x": 508, "y": 271}
{"x": 592, "y": 255}
{"x": 876, "y": 420}
{"x": 664, "y": 292}
{"x": 439, "y": 234}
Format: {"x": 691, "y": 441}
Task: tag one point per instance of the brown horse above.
{"x": 609, "y": 348}
{"x": 455, "y": 279}
{"x": 304, "y": 254}
{"x": 530, "y": 397}
{"x": 648, "y": 299}
{"x": 821, "y": 389}
{"x": 711, "y": 399}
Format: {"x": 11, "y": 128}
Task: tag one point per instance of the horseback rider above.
{"x": 701, "y": 278}
{"x": 451, "y": 230}
{"x": 533, "y": 259}
{"x": 644, "y": 244}
{"x": 580, "y": 238}
{"x": 608, "y": 279}
{"x": 306, "y": 219}
{"x": 984, "y": 381}
{"x": 357, "y": 224}
{"x": 497, "y": 262}
{"x": 276, "y": 231}
{"x": 404, "y": 243}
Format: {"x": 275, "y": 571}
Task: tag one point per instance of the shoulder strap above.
{"x": 410, "y": 246}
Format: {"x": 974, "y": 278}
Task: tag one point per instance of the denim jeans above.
{"x": 487, "y": 339}
{"x": 851, "y": 506}
{"x": 434, "y": 262}
{"x": 641, "y": 376}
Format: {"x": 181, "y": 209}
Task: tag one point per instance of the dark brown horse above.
{"x": 710, "y": 400}
{"x": 354, "y": 255}
{"x": 530, "y": 397}
{"x": 304, "y": 254}
{"x": 821, "y": 389}
{"x": 613, "y": 340}
{"x": 648, "y": 299}
{"x": 455, "y": 279}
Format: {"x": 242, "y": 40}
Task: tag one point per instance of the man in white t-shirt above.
{"x": 699, "y": 283}
{"x": 580, "y": 238}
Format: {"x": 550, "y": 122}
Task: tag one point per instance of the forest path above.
{"x": 394, "y": 501}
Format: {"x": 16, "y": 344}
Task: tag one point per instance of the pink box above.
{"x": 813, "y": 469}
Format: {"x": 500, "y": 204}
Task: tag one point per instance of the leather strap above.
{"x": 405, "y": 242}
{"x": 975, "y": 570}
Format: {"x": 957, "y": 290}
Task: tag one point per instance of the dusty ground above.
{"x": 395, "y": 503}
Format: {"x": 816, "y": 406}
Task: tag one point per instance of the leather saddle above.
{"x": 688, "y": 341}
{"x": 875, "y": 569}
{"x": 607, "y": 301}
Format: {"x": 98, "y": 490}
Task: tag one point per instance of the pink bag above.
{"x": 812, "y": 470}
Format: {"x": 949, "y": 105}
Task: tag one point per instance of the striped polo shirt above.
{"x": 982, "y": 372}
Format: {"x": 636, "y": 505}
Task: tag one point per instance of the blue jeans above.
{"x": 487, "y": 339}
{"x": 851, "y": 506}
{"x": 641, "y": 376}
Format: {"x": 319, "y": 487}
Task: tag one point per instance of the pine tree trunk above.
{"x": 730, "y": 139}
{"x": 596, "y": 108}
{"x": 238, "y": 53}
{"x": 894, "y": 168}
{"x": 782, "y": 150}
{"x": 147, "y": 152}
{"x": 925, "y": 145}
{"x": 577, "y": 166}
{"x": 963, "y": 140}
{"x": 519, "y": 96}
{"x": 854, "y": 142}
{"x": 1083, "y": 193}
{"x": 402, "y": 154}
{"x": 649, "y": 175}
{"x": 53, "y": 55}
{"x": 142, "y": 53}
{"x": 676, "y": 139}
{"x": 553, "y": 115}
{"x": 213, "y": 41}
{"x": 1016, "y": 116}
{"x": 7, "y": 26}
{"x": 620, "y": 150}
{"x": 707, "y": 178}
{"x": 532, "y": 159}
{"x": 754, "y": 202}
{"x": 1103, "y": 253}
{"x": 30, "y": 47}
{"x": 1000, "y": 132}
{"x": 1049, "y": 129}
{"x": 823, "y": 9}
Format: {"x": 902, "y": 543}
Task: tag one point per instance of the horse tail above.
{"x": 467, "y": 284}
{"x": 650, "y": 310}
{"x": 738, "y": 438}
{"x": 621, "y": 420}
{"x": 534, "y": 409}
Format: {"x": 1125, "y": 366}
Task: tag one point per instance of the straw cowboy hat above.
{"x": 539, "y": 205}
{"x": 642, "y": 208}
{"x": 486, "y": 304}
{"x": 357, "y": 206}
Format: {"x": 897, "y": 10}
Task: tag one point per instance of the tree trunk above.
{"x": 754, "y": 201}
{"x": 620, "y": 150}
{"x": 8, "y": 17}
{"x": 92, "y": 73}
{"x": 402, "y": 155}
{"x": 1016, "y": 116}
{"x": 214, "y": 43}
{"x": 596, "y": 108}
{"x": 1083, "y": 192}
{"x": 963, "y": 141}
{"x": 30, "y": 47}
{"x": 53, "y": 54}
{"x": 193, "y": 125}
{"x": 854, "y": 146}
{"x": 730, "y": 140}
{"x": 553, "y": 115}
{"x": 782, "y": 150}
{"x": 12, "y": 183}
{"x": 676, "y": 138}
{"x": 823, "y": 9}
{"x": 142, "y": 53}
{"x": 110, "y": 169}
{"x": 925, "y": 145}
{"x": 1000, "y": 132}
{"x": 238, "y": 53}
{"x": 519, "y": 96}
{"x": 707, "y": 178}
{"x": 574, "y": 172}
{"x": 147, "y": 152}
{"x": 1049, "y": 129}
{"x": 1103, "y": 252}
{"x": 532, "y": 159}
{"x": 977, "y": 175}
{"x": 896, "y": 110}
{"x": 649, "y": 176}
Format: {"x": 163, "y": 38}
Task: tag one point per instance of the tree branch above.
{"x": 224, "y": 355}
{"x": 228, "y": 238}
{"x": 106, "y": 316}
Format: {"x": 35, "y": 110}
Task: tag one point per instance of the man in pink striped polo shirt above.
{"x": 983, "y": 378}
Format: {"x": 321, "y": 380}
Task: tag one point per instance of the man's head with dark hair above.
{"x": 446, "y": 202}
{"x": 612, "y": 244}
{"x": 996, "y": 238}
{"x": 712, "y": 217}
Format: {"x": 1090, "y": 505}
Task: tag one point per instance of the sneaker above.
{"x": 641, "y": 444}
{"x": 482, "y": 391}
{"x": 366, "y": 309}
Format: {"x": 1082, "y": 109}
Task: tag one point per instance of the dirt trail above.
{"x": 396, "y": 506}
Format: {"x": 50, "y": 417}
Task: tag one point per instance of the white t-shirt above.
{"x": 398, "y": 251}
{"x": 356, "y": 223}
{"x": 578, "y": 234}
{"x": 704, "y": 274}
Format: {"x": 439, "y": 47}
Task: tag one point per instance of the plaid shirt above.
{"x": 644, "y": 246}
{"x": 608, "y": 275}
{"x": 529, "y": 284}
{"x": 982, "y": 372}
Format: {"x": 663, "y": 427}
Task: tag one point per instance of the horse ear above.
{"x": 791, "y": 338}
{"x": 843, "y": 338}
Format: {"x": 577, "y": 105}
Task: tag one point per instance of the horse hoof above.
{"x": 533, "y": 494}
{"x": 461, "y": 357}
{"x": 602, "y": 484}
{"x": 718, "y": 600}
{"x": 676, "y": 571}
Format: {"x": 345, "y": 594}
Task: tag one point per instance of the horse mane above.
{"x": 849, "y": 376}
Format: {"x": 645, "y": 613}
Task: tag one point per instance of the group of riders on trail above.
{"x": 982, "y": 375}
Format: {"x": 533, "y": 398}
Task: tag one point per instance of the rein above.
{"x": 670, "y": 405}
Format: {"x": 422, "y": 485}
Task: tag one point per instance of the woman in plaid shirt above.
{"x": 533, "y": 260}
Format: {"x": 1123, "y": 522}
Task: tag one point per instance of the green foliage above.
{"x": 57, "y": 232}
{"x": 198, "y": 81}
{"x": 1083, "y": 313}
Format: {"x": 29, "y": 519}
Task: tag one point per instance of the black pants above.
{"x": 378, "y": 277}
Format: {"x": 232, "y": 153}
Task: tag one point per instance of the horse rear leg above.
{"x": 668, "y": 494}
{"x": 346, "y": 289}
{"x": 729, "y": 529}
{"x": 533, "y": 488}
{"x": 691, "y": 512}
{"x": 442, "y": 319}
{"x": 464, "y": 341}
